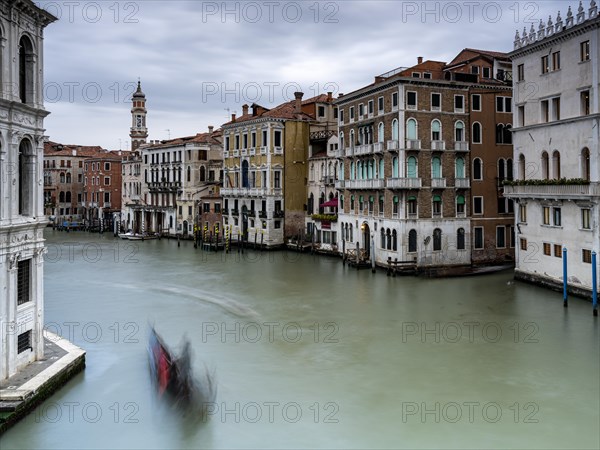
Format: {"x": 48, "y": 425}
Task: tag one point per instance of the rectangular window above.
{"x": 459, "y": 103}
{"x": 585, "y": 103}
{"x": 23, "y": 281}
{"x": 556, "y": 108}
{"x": 106, "y": 181}
{"x": 277, "y": 181}
{"x": 545, "y": 64}
{"x": 476, "y": 102}
{"x": 189, "y": 210}
{"x": 265, "y": 138}
{"x": 586, "y": 256}
{"x": 523, "y": 213}
{"x": 24, "y": 342}
{"x": 478, "y": 238}
{"x": 371, "y": 107}
{"x": 557, "y": 217}
{"x": 521, "y": 110}
{"x": 107, "y": 197}
{"x": 380, "y": 104}
{"x": 427, "y": 75}
{"x": 521, "y": 72}
{"x": 436, "y": 102}
{"x": 352, "y": 113}
{"x": 395, "y": 100}
{"x": 545, "y": 111}
{"x": 341, "y": 116}
{"x": 321, "y": 111}
{"x": 547, "y": 249}
{"x": 106, "y": 166}
{"x": 546, "y": 217}
{"x": 478, "y": 205}
{"x": 558, "y": 250}
{"x": 416, "y": 74}
{"x": 475, "y": 70}
{"x": 245, "y": 140}
{"x": 556, "y": 61}
{"x": 500, "y": 237}
{"x": 361, "y": 110}
{"x": 277, "y": 139}
{"x": 523, "y": 244}
{"x": 277, "y": 224}
{"x": 504, "y": 104}
{"x": 585, "y": 219}
{"x": 79, "y": 177}
{"x": 411, "y": 100}
{"x": 487, "y": 72}
{"x": 217, "y": 208}
{"x": 237, "y": 144}
{"x": 585, "y": 51}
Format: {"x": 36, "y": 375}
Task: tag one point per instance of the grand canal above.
{"x": 309, "y": 353}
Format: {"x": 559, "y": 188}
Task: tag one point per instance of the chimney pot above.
{"x": 329, "y": 96}
{"x": 244, "y": 110}
{"x": 420, "y": 60}
{"x": 210, "y": 129}
{"x": 298, "y": 104}
{"x": 233, "y": 117}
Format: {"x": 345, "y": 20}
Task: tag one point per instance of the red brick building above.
{"x": 102, "y": 182}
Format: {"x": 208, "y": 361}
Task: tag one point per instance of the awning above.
{"x": 333, "y": 203}
{"x": 460, "y": 200}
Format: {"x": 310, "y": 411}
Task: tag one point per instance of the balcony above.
{"x": 106, "y": 205}
{"x": 438, "y": 145}
{"x": 340, "y": 184}
{"x": 329, "y": 180}
{"x": 558, "y": 192}
{"x": 244, "y": 152}
{"x": 413, "y": 144}
{"x": 236, "y": 153}
{"x": 349, "y": 151}
{"x": 278, "y": 214}
{"x": 365, "y": 184}
{"x": 226, "y": 154}
{"x": 365, "y": 149}
{"x": 235, "y": 212}
{"x": 262, "y": 214}
{"x": 461, "y": 146}
{"x": 339, "y": 153}
{"x": 278, "y": 150}
{"x": 263, "y": 150}
{"x": 462, "y": 183}
{"x": 438, "y": 183}
{"x": 403, "y": 183}
{"x": 393, "y": 145}
{"x": 378, "y": 147}
{"x": 252, "y": 151}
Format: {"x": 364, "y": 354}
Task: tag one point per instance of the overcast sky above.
{"x": 197, "y": 60}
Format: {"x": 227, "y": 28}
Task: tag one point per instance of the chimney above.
{"x": 298, "y": 104}
{"x": 244, "y": 110}
{"x": 420, "y": 60}
{"x": 210, "y": 129}
{"x": 340, "y": 95}
{"x": 329, "y": 97}
{"x": 233, "y": 117}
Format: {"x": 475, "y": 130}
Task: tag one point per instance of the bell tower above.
{"x": 138, "y": 132}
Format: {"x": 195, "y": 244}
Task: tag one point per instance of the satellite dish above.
{"x": 427, "y": 239}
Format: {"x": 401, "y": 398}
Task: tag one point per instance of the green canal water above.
{"x": 309, "y": 353}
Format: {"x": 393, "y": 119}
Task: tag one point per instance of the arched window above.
{"x": 311, "y": 203}
{"x": 395, "y": 172}
{"x": 61, "y": 197}
{"x": 501, "y": 169}
{"x": 352, "y": 141}
{"x": 382, "y": 238}
{"x": 436, "y": 130}
{"x": 245, "y": 182}
{"x": 62, "y": 177}
{"x": 460, "y": 206}
{"x": 556, "y": 165}
{"x": 459, "y": 131}
{"x": 388, "y": 236}
{"x": 380, "y": 132}
{"x": 522, "y": 166}
{"x": 411, "y": 167}
{"x": 342, "y": 140}
{"x": 412, "y": 241}
{"x": 68, "y": 178}
{"x": 68, "y": 197}
{"x": 371, "y": 169}
{"x": 203, "y": 172}
{"x": 436, "y": 167}
{"x": 395, "y": 130}
{"x": 351, "y": 233}
{"x": 364, "y": 166}
{"x": 477, "y": 169}
{"x": 352, "y": 170}
{"x": 499, "y": 133}
{"x": 26, "y": 70}
{"x": 545, "y": 166}
{"x": 411, "y": 129}
{"x": 509, "y": 169}
{"x": 585, "y": 164}
{"x": 507, "y": 137}
{"x": 394, "y": 240}
{"x": 321, "y": 201}
{"x": 460, "y": 167}
{"x": 381, "y": 169}
{"x": 437, "y": 240}
{"x": 460, "y": 239}
{"x": 25, "y": 178}
{"x": 476, "y": 134}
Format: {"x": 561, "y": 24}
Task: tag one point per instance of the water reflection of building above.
{"x": 265, "y": 167}
{"x": 557, "y": 150}
{"x": 22, "y": 219}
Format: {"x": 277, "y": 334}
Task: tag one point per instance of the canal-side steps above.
{"x": 25, "y": 390}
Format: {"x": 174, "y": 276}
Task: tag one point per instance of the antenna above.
{"x": 169, "y": 132}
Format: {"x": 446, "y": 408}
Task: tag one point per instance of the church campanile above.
{"x": 139, "y": 132}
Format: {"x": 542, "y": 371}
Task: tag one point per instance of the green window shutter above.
{"x": 460, "y": 200}
{"x": 437, "y": 198}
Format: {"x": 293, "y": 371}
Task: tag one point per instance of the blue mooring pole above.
{"x": 565, "y": 298}
{"x": 594, "y": 284}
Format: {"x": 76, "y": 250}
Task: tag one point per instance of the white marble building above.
{"x": 22, "y": 217}
{"x": 556, "y": 130}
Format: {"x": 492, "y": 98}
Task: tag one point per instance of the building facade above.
{"x": 265, "y": 167}
{"x": 556, "y": 135}
{"x": 131, "y": 192}
{"x": 102, "y": 183}
{"x": 22, "y": 217}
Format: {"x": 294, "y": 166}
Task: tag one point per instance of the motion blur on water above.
{"x": 309, "y": 353}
